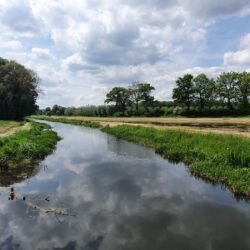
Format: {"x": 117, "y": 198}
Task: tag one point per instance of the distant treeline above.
{"x": 18, "y": 90}
{"x": 229, "y": 94}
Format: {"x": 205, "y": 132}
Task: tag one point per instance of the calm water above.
{"x": 121, "y": 196}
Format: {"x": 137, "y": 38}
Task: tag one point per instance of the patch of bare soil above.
{"x": 7, "y": 130}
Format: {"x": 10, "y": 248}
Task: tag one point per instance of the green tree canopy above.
{"x": 119, "y": 96}
{"x": 244, "y": 91}
{"x": 184, "y": 92}
{"x": 227, "y": 88}
{"x": 141, "y": 93}
{"x": 203, "y": 89}
{"x": 18, "y": 90}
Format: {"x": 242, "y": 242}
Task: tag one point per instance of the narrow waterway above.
{"x": 119, "y": 196}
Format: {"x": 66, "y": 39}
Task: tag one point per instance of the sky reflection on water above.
{"x": 124, "y": 197}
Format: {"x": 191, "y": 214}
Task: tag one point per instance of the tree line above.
{"x": 18, "y": 90}
{"x": 230, "y": 91}
{"x": 229, "y": 94}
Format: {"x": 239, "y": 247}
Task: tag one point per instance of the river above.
{"x": 119, "y": 195}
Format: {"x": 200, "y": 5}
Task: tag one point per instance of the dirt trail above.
{"x": 11, "y": 129}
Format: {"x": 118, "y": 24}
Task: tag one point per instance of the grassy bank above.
{"x": 27, "y": 147}
{"x": 218, "y": 157}
{"x": 90, "y": 124}
{"x": 8, "y": 128}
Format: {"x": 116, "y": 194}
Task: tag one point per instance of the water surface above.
{"x": 122, "y": 196}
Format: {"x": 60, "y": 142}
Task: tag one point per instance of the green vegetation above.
{"x": 8, "y": 128}
{"x": 18, "y": 90}
{"x": 219, "y": 158}
{"x": 89, "y": 124}
{"x": 228, "y": 95}
{"x": 27, "y": 147}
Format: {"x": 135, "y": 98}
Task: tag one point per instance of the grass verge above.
{"x": 85, "y": 123}
{"x": 27, "y": 147}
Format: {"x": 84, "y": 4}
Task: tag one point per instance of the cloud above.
{"x": 245, "y": 41}
{"x": 18, "y": 17}
{"x": 11, "y": 45}
{"x": 240, "y": 57}
{"x": 75, "y": 63}
{"x": 80, "y": 47}
{"x": 43, "y": 54}
{"x": 214, "y": 8}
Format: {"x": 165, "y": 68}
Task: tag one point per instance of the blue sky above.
{"x": 83, "y": 48}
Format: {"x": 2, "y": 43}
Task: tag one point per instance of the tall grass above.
{"x": 220, "y": 158}
{"x": 28, "y": 146}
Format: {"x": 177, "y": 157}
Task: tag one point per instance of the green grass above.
{"x": 89, "y": 124}
{"x": 10, "y": 127}
{"x": 28, "y": 146}
{"x": 219, "y": 158}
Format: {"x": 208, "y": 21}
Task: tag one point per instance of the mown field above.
{"x": 223, "y": 158}
{"x": 237, "y": 126}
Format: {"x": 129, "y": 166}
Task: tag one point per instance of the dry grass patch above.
{"x": 235, "y": 126}
{"x": 8, "y": 128}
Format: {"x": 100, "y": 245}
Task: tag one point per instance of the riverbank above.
{"x": 27, "y": 147}
{"x": 217, "y": 157}
{"x": 225, "y": 125}
{"x": 90, "y": 124}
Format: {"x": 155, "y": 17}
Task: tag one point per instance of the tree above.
{"x": 57, "y": 110}
{"x": 147, "y": 99}
{"x": 141, "y": 93}
{"x": 119, "y": 96}
{"x": 18, "y": 90}
{"x": 243, "y": 89}
{"x": 47, "y": 111}
{"x": 135, "y": 95}
{"x": 227, "y": 88}
{"x": 203, "y": 89}
{"x": 184, "y": 92}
